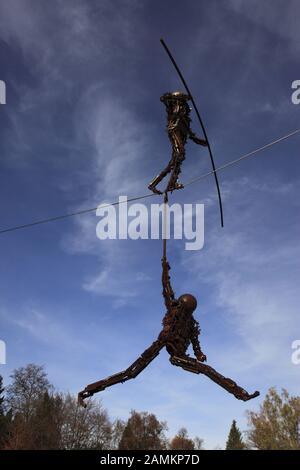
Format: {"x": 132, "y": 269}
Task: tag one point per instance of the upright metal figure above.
{"x": 180, "y": 329}
{"x": 179, "y": 130}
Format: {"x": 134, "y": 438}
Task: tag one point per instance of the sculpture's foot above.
{"x": 175, "y": 186}
{"x": 248, "y": 396}
{"x": 80, "y": 399}
{"x": 154, "y": 190}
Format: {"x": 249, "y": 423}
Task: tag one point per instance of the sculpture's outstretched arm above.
{"x": 196, "y": 139}
{"x": 195, "y": 342}
{"x": 191, "y": 365}
{"x": 168, "y": 292}
{"x": 130, "y": 373}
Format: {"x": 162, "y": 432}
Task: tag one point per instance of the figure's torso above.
{"x": 177, "y": 331}
{"x": 178, "y": 120}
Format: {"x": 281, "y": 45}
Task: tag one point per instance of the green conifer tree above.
{"x": 235, "y": 441}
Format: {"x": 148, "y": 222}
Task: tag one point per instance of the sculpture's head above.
{"x": 189, "y": 302}
{"x": 175, "y": 96}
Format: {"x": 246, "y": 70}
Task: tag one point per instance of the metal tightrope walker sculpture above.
{"x": 179, "y": 130}
{"x": 180, "y": 329}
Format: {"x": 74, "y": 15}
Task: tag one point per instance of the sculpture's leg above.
{"x": 130, "y": 373}
{"x": 192, "y": 365}
{"x": 173, "y": 182}
{"x": 160, "y": 177}
{"x": 178, "y": 158}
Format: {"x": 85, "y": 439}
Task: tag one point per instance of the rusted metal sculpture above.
{"x": 180, "y": 329}
{"x": 179, "y": 130}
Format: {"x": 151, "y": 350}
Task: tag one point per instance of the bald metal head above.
{"x": 189, "y": 302}
{"x": 175, "y": 96}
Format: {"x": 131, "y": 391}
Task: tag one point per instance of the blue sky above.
{"x": 82, "y": 125}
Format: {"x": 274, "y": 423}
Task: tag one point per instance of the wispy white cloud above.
{"x": 120, "y": 144}
{"x": 43, "y": 327}
{"x": 280, "y": 21}
{"x": 56, "y": 43}
{"x": 69, "y": 33}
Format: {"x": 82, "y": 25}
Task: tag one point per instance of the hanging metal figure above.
{"x": 180, "y": 329}
{"x": 179, "y": 130}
